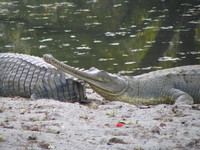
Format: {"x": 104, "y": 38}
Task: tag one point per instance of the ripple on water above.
{"x": 132, "y": 36}
{"x": 97, "y": 41}
{"x": 83, "y": 10}
{"x": 109, "y": 34}
{"x": 42, "y": 46}
{"x": 130, "y": 63}
{"x": 165, "y": 58}
{"x": 114, "y": 44}
{"x": 26, "y": 38}
{"x": 9, "y": 46}
{"x": 194, "y": 22}
{"x": 80, "y": 54}
{"x": 123, "y": 72}
{"x": 67, "y": 31}
{"x": 106, "y": 59}
{"x": 137, "y": 50}
{"x": 93, "y": 24}
{"x": 46, "y": 40}
{"x": 72, "y": 36}
{"x": 66, "y": 44}
{"x": 83, "y": 48}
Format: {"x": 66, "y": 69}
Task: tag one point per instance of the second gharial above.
{"x": 178, "y": 85}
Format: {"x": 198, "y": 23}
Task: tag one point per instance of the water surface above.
{"x": 124, "y": 36}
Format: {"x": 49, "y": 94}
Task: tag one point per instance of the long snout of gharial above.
{"x": 82, "y": 75}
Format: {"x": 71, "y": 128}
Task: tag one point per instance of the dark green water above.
{"x": 120, "y": 36}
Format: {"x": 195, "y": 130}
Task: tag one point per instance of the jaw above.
{"x": 104, "y": 83}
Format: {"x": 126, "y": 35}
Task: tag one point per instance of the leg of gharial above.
{"x": 181, "y": 97}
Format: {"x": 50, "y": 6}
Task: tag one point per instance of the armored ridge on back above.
{"x": 179, "y": 85}
{"x": 30, "y": 76}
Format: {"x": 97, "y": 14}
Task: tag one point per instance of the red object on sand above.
{"x": 119, "y": 124}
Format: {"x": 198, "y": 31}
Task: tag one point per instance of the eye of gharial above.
{"x": 98, "y": 72}
{"x": 104, "y": 75}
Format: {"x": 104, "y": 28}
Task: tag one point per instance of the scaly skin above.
{"x": 30, "y": 76}
{"x": 180, "y": 84}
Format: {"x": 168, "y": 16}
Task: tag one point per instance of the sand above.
{"x": 102, "y": 125}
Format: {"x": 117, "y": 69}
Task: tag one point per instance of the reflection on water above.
{"x": 127, "y": 37}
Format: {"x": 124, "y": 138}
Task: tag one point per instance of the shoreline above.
{"x": 50, "y": 124}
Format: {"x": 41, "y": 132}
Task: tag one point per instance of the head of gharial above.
{"x": 106, "y": 84}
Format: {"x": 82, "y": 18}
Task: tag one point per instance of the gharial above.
{"x": 178, "y": 85}
{"x": 30, "y": 76}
